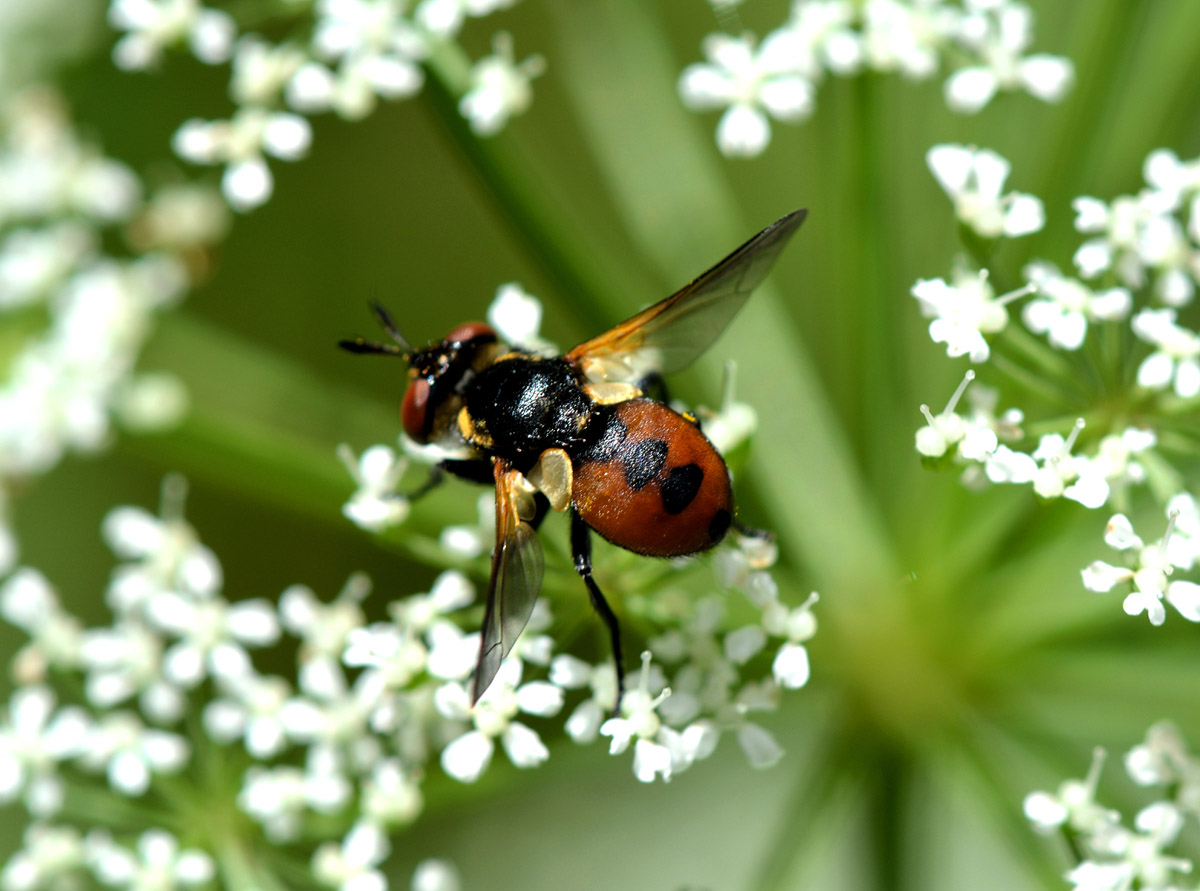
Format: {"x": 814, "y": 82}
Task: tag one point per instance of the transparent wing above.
{"x": 516, "y": 575}
{"x": 670, "y": 334}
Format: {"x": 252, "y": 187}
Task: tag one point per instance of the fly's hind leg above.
{"x": 581, "y": 548}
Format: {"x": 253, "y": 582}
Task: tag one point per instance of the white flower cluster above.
{"x": 1153, "y": 564}
{"x": 778, "y": 77}
{"x": 346, "y": 743}
{"x": 1116, "y": 857}
{"x": 1140, "y": 251}
{"x": 359, "y": 51}
{"x": 80, "y": 313}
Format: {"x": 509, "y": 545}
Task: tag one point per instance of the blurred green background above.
{"x": 960, "y": 663}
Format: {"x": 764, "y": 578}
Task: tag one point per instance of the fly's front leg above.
{"x": 581, "y": 548}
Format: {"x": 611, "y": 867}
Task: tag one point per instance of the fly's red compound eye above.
{"x": 414, "y": 410}
{"x": 468, "y": 331}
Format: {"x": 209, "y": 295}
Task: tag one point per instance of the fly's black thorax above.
{"x": 523, "y": 405}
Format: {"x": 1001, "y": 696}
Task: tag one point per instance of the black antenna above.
{"x": 368, "y": 347}
{"x": 385, "y": 318}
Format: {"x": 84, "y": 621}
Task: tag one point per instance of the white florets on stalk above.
{"x": 1138, "y": 255}
{"x": 341, "y": 747}
{"x": 778, "y": 77}
{"x": 1115, "y": 856}
{"x": 359, "y": 52}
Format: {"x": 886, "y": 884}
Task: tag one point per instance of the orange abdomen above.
{"x": 661, "y": 490}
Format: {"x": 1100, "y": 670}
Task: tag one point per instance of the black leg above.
{"x": 436, "y": 475}
{"x": 751, "y": 532}
{"x": 581, "y": 548}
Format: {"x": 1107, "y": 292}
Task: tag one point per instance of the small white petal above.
{"x": 524, "y": 747}
{"x": 791, "y": 667}
{"x": 651, "y": 760}
{"x": 540, "y": 698}
{"x": 759, "y": 745}
{"x": 743, "y": 132}
{"x": 1185, "y": 597}
{"x": 248, "y": 184}
{"x": 467, "y": 757}
{"x": 743, "y": 644}
{"x": 1025, "y": 215}
{"x": 1049, "y": 78}
{"x": 287, "y": 136}
{"x": 969, "y": 89}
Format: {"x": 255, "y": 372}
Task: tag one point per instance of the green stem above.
{"x": 1016, "y": 339}
{"x": 562, "y": 243}
{"x": 241, "y": 871}
{"x": 1027, "y": 380}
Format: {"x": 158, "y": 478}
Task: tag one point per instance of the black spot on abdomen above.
{"x": 680, "y": 487}
{"x": 719, "y": 525}
{"x": 643, "y": 461}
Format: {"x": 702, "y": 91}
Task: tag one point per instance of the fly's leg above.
{"x": 581, "y": 548}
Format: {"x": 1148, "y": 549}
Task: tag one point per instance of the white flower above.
{"x": 35, "y": 262}
{"x": 658, "y": 750}
{"x": 963, "y": 312}
{"x": 948, "y": 429}
{"x": 1091, "y": 876}
{"x": 445, "y": 17}
{"x": 791, "y": 668}
{"x": 323, "y": 628}
{"x": 33, "y": 740}
{"x": 1073, "y": 805}
{"x": 1177, "y": 358}
{"x": 1064, "y": 306}
{"x": 824, "y": 37}
{"x": 166, "y": 551}
{"x": 907, "y": 37}
{"x": 51, "y": 857}
{"x": 517, "y": 318}
{"x": 130, "y": 753}
{"x": 1163, "y": 246}
{"x": 154, "y": 25}
{"x": 125, "y": 660}
{"x": 1152, "y": 568}
{"x": 180, "y": 217}
{"x": 252, "y": 707}
{"x": 500, "y": 88}
{"x": 1118, "y": 225}
{"x": 751, "y": 84}
{"x": 1183, "y": 548}
{"x": 351, "y": 866}
{"x": 157, "y": 863}
{"x": 28, "y": 602}
{"x": 468, "y": 542}
{"x": 261, "y": 69}
{"x": 999, "y": 33}
{"x": 974, "y": 178}
{"x": 1162, "y": 759}
{"x": 572, "y": 673}
{"x": 436, "y": 875}
{"x": 375, "y": 505}
{"x": 468, "y": 756}
{"x": 391, "y": 795}
{"x": 377, "y": 49}
{"x": 212, "y": 635}
{"x": 1061, "y": 474}
{"x": 277, "y": 797}
{"x": 240, "y": 144}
